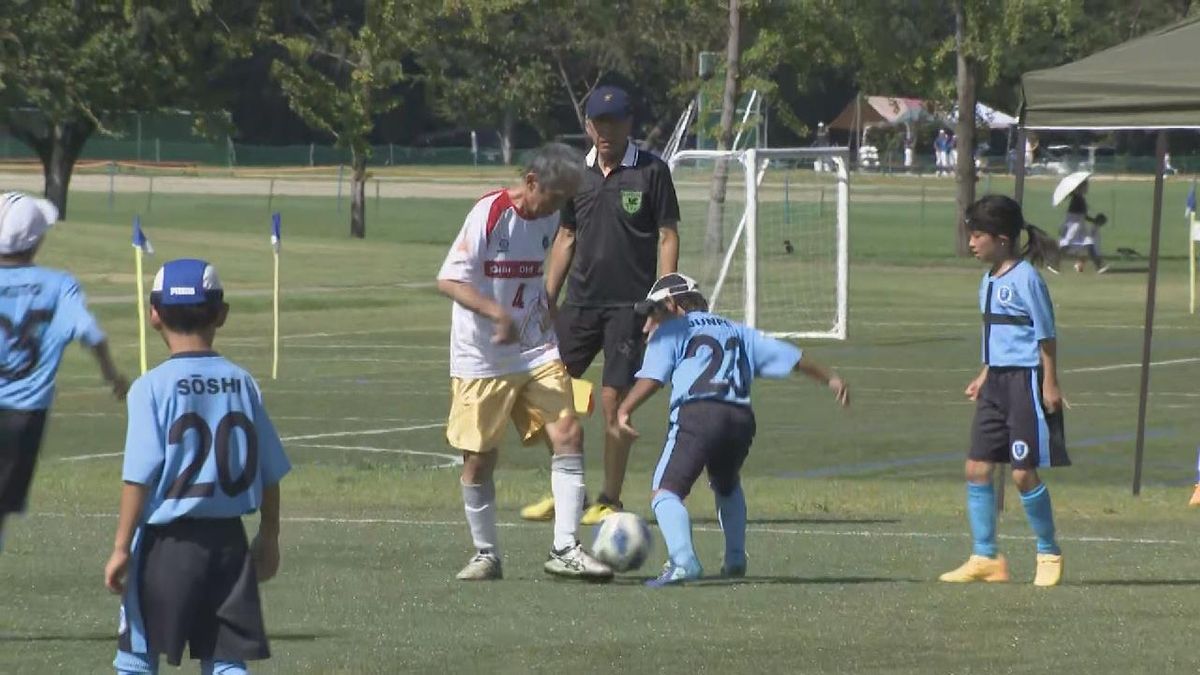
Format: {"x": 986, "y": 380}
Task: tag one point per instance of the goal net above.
{"x": 765, "y": 233}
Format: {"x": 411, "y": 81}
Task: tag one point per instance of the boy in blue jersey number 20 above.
{"x": 1018, "y": 411}
{"x": 710, "y": 362}
{"x": 200, "y": 453}
{"x": 41, "y": 312}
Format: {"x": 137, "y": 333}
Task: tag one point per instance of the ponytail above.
{"x": 1041, "y": 247}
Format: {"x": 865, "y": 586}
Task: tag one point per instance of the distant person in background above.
{"x": 909, "y": 142}
{"x": 1080, "y": 233}
{"x": 941, "y": 152}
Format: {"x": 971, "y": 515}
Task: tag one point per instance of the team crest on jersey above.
{"x": 502, "y": 245}
{"x": 1004, "y": 295}
{"x": 1020, "y": 450}
{"x": 631, "y": 200}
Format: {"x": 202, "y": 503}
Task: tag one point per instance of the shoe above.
{"x": 541, "y": 510}
{"x": 733, "y": 571}
{"x": 1079, "y": 267}
{"x": 574, "y": 562}
{"x": 485, "y": 566}
{"x": 674, "y": 575}
{"x": 597, "y": 512}
{"x": 1049, "y": 569}
{"x": 1195, "y": 501}
{"x": 979, "y": 568}
{"x": 1051, "y": 269}
{"x": 1102, "y": 270}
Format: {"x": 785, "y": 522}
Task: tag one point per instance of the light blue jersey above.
{"x": 1017, "y": 315}
{"x": 41, "y": 312}
{"x": 709, "y": 357}
{"x": 201, "y": 440}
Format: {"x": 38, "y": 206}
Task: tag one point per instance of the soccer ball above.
{"x": 622, "y": 542}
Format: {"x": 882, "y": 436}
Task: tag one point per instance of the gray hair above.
{"x": 557, "y": 166}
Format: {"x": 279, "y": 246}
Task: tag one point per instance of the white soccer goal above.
{"x": 766, "y": 234}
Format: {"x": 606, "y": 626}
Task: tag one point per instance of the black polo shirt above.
{"x": 616, "y": 222}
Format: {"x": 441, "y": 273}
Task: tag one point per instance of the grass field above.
{"x": 853, "y": 513}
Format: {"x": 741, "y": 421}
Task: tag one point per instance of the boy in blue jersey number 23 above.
{"x": 41, "y": 312}
{"x": 200, "y": 453}
{"x": 1018, "y": 405}
{"x": 710, "y": 362}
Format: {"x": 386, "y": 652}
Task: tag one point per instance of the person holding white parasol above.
{"x": 1079, "y": 235}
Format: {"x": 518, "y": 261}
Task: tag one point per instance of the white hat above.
{"x": 23, "y": 221}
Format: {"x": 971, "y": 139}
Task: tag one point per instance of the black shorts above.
{"x": 194, "y": 584}
{"x": 1012, "y": 426}
{"x": 711, "y": 435}
{"x": 584, "y": 331}
{"x": 20, "y": 439}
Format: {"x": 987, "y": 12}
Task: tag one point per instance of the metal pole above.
{"x": 1151, "y": 287}
{"x": 112, "y": 171}
{"x": 1019, "y": 189}
{"x": 341, "y": 169}
{"x": 150, "y": 195}
{"x": 376, "y": 196}
{"x": 270, "y": 194}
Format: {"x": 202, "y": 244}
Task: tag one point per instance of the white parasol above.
{"x": 1068, "y": 185}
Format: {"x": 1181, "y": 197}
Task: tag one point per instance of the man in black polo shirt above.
{"x": 621, "y": 221}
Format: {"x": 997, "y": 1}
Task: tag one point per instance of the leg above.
{"x": 616, "y": 447}
{"x": 731, "y": 513}
{"x": 128, "y": 663}
{"x": 724, "y": 477}
{"x": 223, "y": 668}
{"x": 565, "y": 438}
{"x": 981, "y": 507}
{"x": 479, "y": 499}
{"x": 20, "y": 440}
{"x": 1035, "y": 497}
{"x": 1035, "y": 441}
{"x": 683, "y": 458}
{"x": 623, "y": 345}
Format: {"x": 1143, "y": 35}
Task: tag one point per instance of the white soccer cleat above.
{"x": 576, "y": 563}
{"x": 484, "y": 566}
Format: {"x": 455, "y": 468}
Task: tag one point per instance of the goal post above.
{"x": 769, "y": 247}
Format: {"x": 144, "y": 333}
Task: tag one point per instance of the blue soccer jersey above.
{"x": 41, "y": 312}
{"x": 1017, "y": 315}
{"x": 201, "y": 440}
{"x": 708, "y": 357}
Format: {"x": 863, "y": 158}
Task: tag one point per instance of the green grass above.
{"x": 853, "y": 513}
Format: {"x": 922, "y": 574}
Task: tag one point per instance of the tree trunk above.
{"x": 714, "y": 240}
{"x": 965, "y": 130}
{"x": 58, "y": 145}
{"x": 507, "y": 127}
{"x": 358, "y": 198}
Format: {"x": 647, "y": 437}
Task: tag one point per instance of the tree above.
{"x": 337, "y": 71}
{"x": 713, "y": 234}
{"x": 67, "y": 67}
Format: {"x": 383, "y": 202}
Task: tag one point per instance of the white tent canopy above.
{"x": 994, "y": 119}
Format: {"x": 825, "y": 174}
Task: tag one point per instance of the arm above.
{"x": 265, "y": 549}
{"x": 1052, "y": 398}
{"x": 108, "y": 370}
{"x": 642, "y": 390}
{"x": 829, "y": 378}
{"x": 561, "y": 254}
{"x": 133, "y": 501}
{"x": 468, "y": 296}
{"x": 668, "y": 250}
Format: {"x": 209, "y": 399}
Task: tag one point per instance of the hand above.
{"x": 115, "y": 570}
{"x": 506, "y": 330}
{"x": 973, "y": 388}
{"x": 120, "y": 386}
{"x": 265, "y": 552}
{"x": 841, "y": 390}
{"x": 1052, "y": 398}
{"x": 625, "y": 424}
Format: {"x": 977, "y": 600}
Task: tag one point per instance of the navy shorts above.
{"x": 705, "y": 435}
{"x": 583, "y": 332}
{"x": 194, "y": 585}
{"x": 20, "y": 439}
{"x": 1010, "y": 424}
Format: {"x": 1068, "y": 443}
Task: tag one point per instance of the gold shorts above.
{"x": 480, "y": 408}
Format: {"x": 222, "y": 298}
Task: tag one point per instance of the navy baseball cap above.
{"x": 608, "y": 101}
{"x": 667, "y": 286}
{"x": 186, "y": 281}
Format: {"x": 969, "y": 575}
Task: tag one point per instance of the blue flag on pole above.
{"x": 276, "y": 239}
{"x": 140, "y": 240}
{"x": 1191, "y": 201}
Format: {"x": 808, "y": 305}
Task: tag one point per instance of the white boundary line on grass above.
{"x": 450, "y": 460}
{"x": 764, "y": 530}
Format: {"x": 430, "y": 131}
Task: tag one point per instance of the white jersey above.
{"x": 502, "y": 255}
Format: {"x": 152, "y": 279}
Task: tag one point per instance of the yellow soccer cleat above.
{"x": 541, "y": 510}
{"x": 1049, "y": 570}
{"x": 597, "y": 512}
{"x": 979, "y": 568}
{"x": 1195, "y": 496}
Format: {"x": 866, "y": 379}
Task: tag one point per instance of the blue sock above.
{"x": 223, "y": 668}
{"x": 676, "y": 528}
{"x": 1041, "y": 518}
{"x": 129, "y": 663}
{"x": 731, "y": 511}
{"x": 981, "y": 511}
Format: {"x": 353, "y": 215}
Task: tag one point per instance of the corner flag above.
{"x": 141, "y": 247}
{"x": 1191, "y": 201}
{"x": 276, "y": 245}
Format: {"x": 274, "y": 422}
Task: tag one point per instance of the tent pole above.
{"x": 1019, "y": 167}
{"x": 1151, "y": 287}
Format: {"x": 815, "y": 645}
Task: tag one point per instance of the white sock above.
{"x": 479, "y": 503}
{"x": 566, "y": 482}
